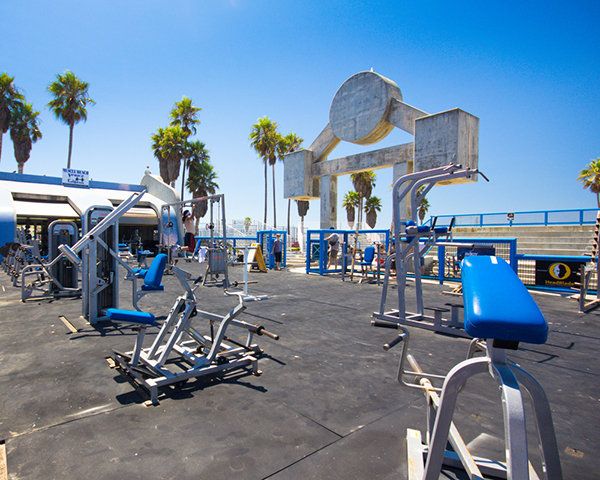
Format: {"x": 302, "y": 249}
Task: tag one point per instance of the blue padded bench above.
{"x": 154, "y": 274}
{"x": 368, "y": 256}
{"x": 131, "y": 316}
{"x": 497, "y": 304}
{"x": 140, "y": 272}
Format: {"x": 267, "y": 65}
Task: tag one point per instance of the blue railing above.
{"x": 317, "y": 249}
{"x": 576, "y": 216}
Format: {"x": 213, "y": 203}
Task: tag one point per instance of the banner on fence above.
{"x": 550, "y": 273}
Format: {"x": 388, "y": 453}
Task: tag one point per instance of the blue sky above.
{"x": 529, "y": 70}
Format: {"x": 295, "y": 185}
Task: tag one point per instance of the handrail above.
{"x": 544, "y": 218}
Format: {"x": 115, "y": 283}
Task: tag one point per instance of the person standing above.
{"x": 188, "y": 225}
{"x": 333, "y": 241}
{"x": 276, "y": 251}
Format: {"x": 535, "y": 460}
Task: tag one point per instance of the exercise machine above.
{"x": 499, "y": 314}
{"x": 180, "y": 351}
{"x": 59, "y": 277}
{"x": 412, "y": 242}
{"x": 245, "y": 294}
{"x": 216, "y": 273}
{"x": 100, "y": 259}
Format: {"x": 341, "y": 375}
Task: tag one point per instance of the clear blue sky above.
{"x": 529, "y": 70}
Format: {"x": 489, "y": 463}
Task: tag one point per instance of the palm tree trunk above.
{"x": 20, "y": 167}
{"x": 597, "y": 195}
{"x": 183, "y": 178}
{"x": 265, "y": 215}
{"x": 70, "y": 144}
{"x": 1, "y": 136}
{"x": 274, "y": 200}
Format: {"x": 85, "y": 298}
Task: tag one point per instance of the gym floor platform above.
{"x": 327, "y": 406}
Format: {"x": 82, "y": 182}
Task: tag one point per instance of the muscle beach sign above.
{"x": 75, "y": 178}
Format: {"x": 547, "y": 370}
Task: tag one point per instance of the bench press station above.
{"x": 499, "y": 313}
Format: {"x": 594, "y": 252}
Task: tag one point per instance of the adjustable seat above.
{"x": 154, "y": 274}
{"x": 497, "y": 304}
{"x": 131, "y": 316}
{"x": 499, "y": 309}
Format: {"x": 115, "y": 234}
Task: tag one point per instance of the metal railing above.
{"x": 576, "y": 216}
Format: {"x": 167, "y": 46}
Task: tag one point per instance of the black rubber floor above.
{"x": 327, "y": 406}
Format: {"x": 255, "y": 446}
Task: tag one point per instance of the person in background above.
{"x": 333, "y": 241}
{"x": 188, "y": 225}
{"x": 276, "y": 251}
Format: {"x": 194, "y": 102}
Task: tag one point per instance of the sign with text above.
{"x": 556, "y": 273}
{"x": 78, "y": 178}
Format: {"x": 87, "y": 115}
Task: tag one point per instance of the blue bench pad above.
{"x": 153, "y": 288}
{"x": 497, "y": 304}
{"x": 130, "y": 316}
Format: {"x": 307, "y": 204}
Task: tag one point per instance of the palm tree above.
{"x": 201, "y": 182}
{"x": 303, "y": 206}
{"x": 185, "y": 114}
{"x": 247, "y": 223}
{"x": 423, "y": 207}
{"x": 590, "y": 177}
{"x": 363, "y": 183}
{"x": 350, "y": 203}
{"x": 264, "y": 138}
{"x": 169, "y": 146}
{"x": 24, "y": 131}
{"x": 9, "y": 94}
{"x": 287, "y": 144}
{"x": 372, "y": 206}
{"x": 70, "y": 102}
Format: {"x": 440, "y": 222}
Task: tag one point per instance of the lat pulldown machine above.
{"x": 412, "y": 242}
{"x": 100, "y": 259}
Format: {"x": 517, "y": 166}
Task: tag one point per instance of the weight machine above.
{"x": 100, "y": 259}
{"x": 180, "y": 351}
{"x": 412, "y": 242}
{"x": 58, "y": 277}
{"x": 216, "y": 273}
{"x": 499, "y": 313}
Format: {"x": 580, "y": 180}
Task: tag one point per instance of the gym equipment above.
{"x": 60, "y": 277}
{"x": 587, "y": 271}
{"x": 179, "y": 351}
{"x": 246, "y": 297}
{"x": 266, "y": 239}
{"x": 499, "y": 313}
{"x": 412, "y": 242}
{"x": 216, "y": 270}
{"x": 100, "y": 259}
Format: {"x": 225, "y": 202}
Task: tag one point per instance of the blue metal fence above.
{"x": 577, "y": 216}
{"x": 317, "y": 248}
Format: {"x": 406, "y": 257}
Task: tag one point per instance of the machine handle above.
{"x": 483, "y": 175}
{"x": 394, "y": 342}
{"x": 378, "y": 323}
{"x": 263, "y": 331}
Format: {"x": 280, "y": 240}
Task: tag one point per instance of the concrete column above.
{"x": 399, "y": 170}
{"x": 328, "y": 187}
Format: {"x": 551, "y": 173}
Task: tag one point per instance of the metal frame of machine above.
{"x": 180, "y": 351}
{"x": 408, "y": 246}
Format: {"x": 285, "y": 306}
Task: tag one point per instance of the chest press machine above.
{"x": 180, "y": 351}
{"x": 499, "y": 314}
{"x": 411, "y": 243}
